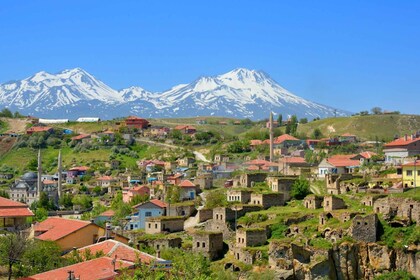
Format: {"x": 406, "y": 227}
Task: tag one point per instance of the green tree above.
{"x": 280, "y": 119}
{"x": 300, "y": 188}
{"x": 66, "y": 200}
{"x": 303, "y": 120}
{"x": 292, "y": 124}
{"x": 12, "y": 247}
{"x": 317, "y": 134}
{"x": 40, "y": 256}
{"x": 41, "y": 214}
{"x": 82, "y": 200}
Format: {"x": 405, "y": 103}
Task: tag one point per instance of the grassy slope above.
{"x": 365, "y": 127}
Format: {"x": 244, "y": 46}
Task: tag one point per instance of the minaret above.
{"x": 59, "y": 175}
{"x": 39, "y": 182}
{"x": 271, "y": 137}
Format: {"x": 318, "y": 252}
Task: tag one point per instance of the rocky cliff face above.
{"x": 345, "y": 261}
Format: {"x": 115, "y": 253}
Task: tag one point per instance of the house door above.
{"x": 191, "y": 195}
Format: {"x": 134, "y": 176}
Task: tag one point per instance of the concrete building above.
{"x": 208, "y": 243}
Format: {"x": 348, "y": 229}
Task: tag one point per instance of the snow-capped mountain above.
{"x": 240, "y": 93}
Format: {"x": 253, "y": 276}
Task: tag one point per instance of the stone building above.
{"x": 164, "y": 224}
{"x": 281, "y": 184}
{"x": 333, "y": 203}
{"x": 406, "y": 209}
{"x": 246, "y": 255}
{"x": 313, "y": 201}
{"x": 333, "y": 183}
{"x": 249, "y": 179}
{"x": 267, "y": 200}
{"x": 221, "y": 158}
{"x": 236, "y": 195}
{"x": 248, "y": 237}
{"x": 204, "y": 181}
{"x": 208, "y": 243}
{"x": 365, "y": 228}
{"x": 162, "y": 243}
{"x": 184, "y": 209}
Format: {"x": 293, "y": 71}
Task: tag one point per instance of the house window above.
{"x": 155, "y": 225}
{"x": 148, "y": 214}
{"x": 198, "y": 244}
{"x": 409, "y": 172}
{"x": 204, "y": 245}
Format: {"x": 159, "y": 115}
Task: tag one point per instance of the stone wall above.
{"x": 267, "y": 200}
{"x": 365, "y": 228}
{"x": 404, "y": 208}
{"x": 250, "y": 237}
{"x": 159, "y": 225}
{"x": 204, "y": 215}
{"x": 333, "y": 203}
{"x": 247, "y": 180}
{"x": 313, "y": 201}
{"x": 208, "y": 243}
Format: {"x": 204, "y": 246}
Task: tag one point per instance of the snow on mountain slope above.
{"x": 238, "y": 93}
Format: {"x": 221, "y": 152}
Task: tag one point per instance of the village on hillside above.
{"x": 224, "y": 199}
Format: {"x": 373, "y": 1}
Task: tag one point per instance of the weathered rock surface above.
{"x": 346, "y": 261}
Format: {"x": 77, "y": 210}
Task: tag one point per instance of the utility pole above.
{"x": 271, "y": 137}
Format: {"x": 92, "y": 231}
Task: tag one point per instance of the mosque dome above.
{"x": 29, "y": 176}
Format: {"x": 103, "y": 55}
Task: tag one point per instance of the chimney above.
{"x": 405, "y": 137}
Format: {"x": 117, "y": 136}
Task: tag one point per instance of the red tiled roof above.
{"x": 253, "y": 167}
{"x": 48, "y": 182}
{"x": 79, "y": 168}
{"x": 255, "y": 142}
{"x": 293, "y": 160}
{"x": 283, "y": 138}
{"x": 4, "y": 202}
{"x": 100, "y": 268}
{"x": 108, "y": 213}
{"x": 416, "y": 163}
{"x": 402, "y": 142}
{"x": 187, "y": 184}
{"x": 120, "y": 251}
{"x": 10, "y": 208}
{"x": 80, "y": 137}
{"x": 348, "y": 135}
{"x": 257, "y": 162}
{"x": 368, "y": 154}
{"x": 56, "y": 228}
{"x": 158, "y": 203}
{"x": 39, "y": 128}
{"x": 343, "y": 160}
{"x": 105, "y": 178}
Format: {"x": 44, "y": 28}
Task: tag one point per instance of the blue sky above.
{"x": 353, "y": 55}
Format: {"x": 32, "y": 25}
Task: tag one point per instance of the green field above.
{"x": 385, "y": 127}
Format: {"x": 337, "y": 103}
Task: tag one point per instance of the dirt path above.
{"x": 15, "y": 125}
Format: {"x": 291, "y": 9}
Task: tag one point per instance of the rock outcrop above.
{"x": 346, "y": 261}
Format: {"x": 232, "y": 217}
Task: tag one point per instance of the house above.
{"x": 204, "y": 181}
{"x": 152, "y": 208}
{"x": 237, "y": 195}
{"x": 333, "y": 203}
{"x": 187, "y": 190}
{"x": 338, "y": 164}
{"x": 287, "y": 141}
{"x": 411, "y": 174}
{"x": 267, "y": 200}
{"x": 185, "y": 129}
{"x": 82, "y": 138}
{"x": 348, "y": 138}
{"x": 77, "y": 172}
{"x": 275, "y": 124}
{"x": 129, "y": 193}
{"x": 105, "y": 181}
{"x": 136, "y": 122}
{"x": 164, "y": 224}
{"x": 159, "y": 131}
{"x": 250, "y": 237}
{"x": 208, "y": 243}
{"x": 248, "y": 180}
{"x": 13, "y": 215}
{"x": 100, "y": 268}
{"x": 69, "y": 233}
{"x": 294, "y": 166}
{"x": 218, "y": 158}
{"x": 366, "y": 157}
{"x": 104, "y": 217}
{"x": 313, "y": 201}
{"x": 37, "y": 129}
{"x": 281, "y": 184}
{"x": 174, "y": 179}
{"x": 399, "y": 149}
{"x": 187, "y": 161}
